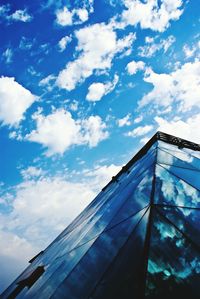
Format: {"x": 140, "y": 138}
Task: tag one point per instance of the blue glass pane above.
{"x": 123, "y": 279}
{"x": 57, "y": 271}
{"x": 185, "y": 154}
{"x": 170, "y": 189}
{"x": 173, "y": 265}
{"x": 97, "y": 260}
{"x": 193, "y": 161}
{"x": 139, "y": 198}
{"x": 163, "y": 157}
{"x": 186, "y": 220}
{"x": 188, "y": 175}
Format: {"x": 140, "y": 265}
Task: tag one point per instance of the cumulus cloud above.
{"x": 152, "y": 47}
{"x": 62, "y": 44}
{"x": 134, "y": 66}
{"x": 21, "y": 15}
{"x": 82, "y": 14}
{"x": 125, "y": 121}
{"x": 93, "y": 131}
{"x": 18, "y": 16}
{"x": 140, "y": 131}
{"x": 65, "y": 17}
{"x": 97, "y": 90}
{"x": 186, "y": 129}
{"x": 96, "y": 52}
{"x": 58, "y": 131}
{"x": 14, "y": 101}
{"x": 181, "y": 86}
{"x": 151, "y": 14}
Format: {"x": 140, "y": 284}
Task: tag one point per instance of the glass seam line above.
{"x": 178, "y": 177}
{"x": 121, "y": 248}
{"x": 197, "y": 247}
{"x": 147, "y": 240}
{"x": 174, "y": 206}
{"x": 90, "y": 247}
{"x": 97, "y": 235}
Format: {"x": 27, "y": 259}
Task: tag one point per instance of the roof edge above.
{"x": 177, "y": 141}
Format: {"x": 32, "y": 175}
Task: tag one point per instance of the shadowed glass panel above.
{"x": 173, "y": 264}
{"x": 124, "y": 277}
{"x": 92, "y": 266}
{"x": 170, "y": 189}
{"x": 57, "y": 271}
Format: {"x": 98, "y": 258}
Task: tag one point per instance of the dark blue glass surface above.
{"x": 97, "y": 260}
{"x": 173, "y": 264}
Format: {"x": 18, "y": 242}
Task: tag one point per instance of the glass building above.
{"x": 139, "y": 238}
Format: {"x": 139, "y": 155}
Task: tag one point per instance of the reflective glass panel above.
{"x": 173, "y": 264}
{"x": 170, "y": 189}
{"x": 97, "y": 260}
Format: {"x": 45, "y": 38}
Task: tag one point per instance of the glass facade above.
{"x": 139, "y": 238}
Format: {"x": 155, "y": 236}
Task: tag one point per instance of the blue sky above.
{"x": 83, "y": 85}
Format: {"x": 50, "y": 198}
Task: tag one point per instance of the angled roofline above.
{"x": 170, "y": 139}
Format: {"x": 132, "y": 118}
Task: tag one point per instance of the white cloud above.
{"x": 98, "y": 177}
{"x": 125, "y": 121}
{"x": 82, "y": 14}
{"x": 181, "y": 86}
{"x": 97, "y": 90}
{"x": 152, "y": 47}
{"x": 18, "y": 15}
{"x": 31, "y": 172}
{"x": 21, "y": 15}
{"x": 93, "y": 131}
{"x": 14, "y": 101}
{"x": 62, "y": 44}
{"x": 186, "y": 129}
{"x": 48, "y": 82}
{"x": 58, "y": 131}
{"x": 73, "y": 105}
{"x": 192, "y": 50}
{"x": 96, "y": 52}
{"x": 134, "y": 66}
{"x": 151, "y": 14}
{"x": 140, "y": 131}
{"x": 64, "y": 17}
{"x": 138, "y": 119}
{"x": 8, "y": 55}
